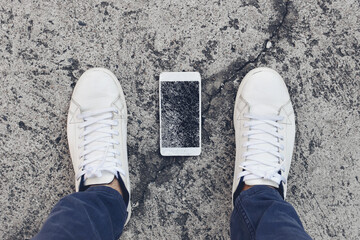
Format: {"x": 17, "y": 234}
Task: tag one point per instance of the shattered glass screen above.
{"x": 180, "y": 114}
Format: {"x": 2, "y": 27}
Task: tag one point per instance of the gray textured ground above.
{"x": 46, "y": 45}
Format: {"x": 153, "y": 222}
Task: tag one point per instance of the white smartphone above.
{"x": 180, "y": 113}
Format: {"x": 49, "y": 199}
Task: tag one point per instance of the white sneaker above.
{"x": 96, "y": 130}
{"x": 264, "y": 123}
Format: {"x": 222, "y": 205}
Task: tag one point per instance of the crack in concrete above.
{"x": 166, "y": 165}
{"x": 234, "y": 71}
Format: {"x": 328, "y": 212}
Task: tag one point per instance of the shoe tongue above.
{"x": 97, "y": 102}
{"x": 106, "y": 178}
{"x": 263, "y": 110}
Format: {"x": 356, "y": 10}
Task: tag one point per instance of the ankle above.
{"x": 114, "y": 185}
{"x": 246, "y": 187}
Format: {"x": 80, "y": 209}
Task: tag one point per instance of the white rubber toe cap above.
{"x": 264, "y": 86}
{"x": 96, "y": 88}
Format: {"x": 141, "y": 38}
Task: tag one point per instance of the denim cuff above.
{"x": 105, "y": 189}
{"x": 259, "y": 189}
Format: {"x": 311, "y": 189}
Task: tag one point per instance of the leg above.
{"x": 261, "y": 213}
{"x": 264, "y": 123}
{"x": 97, "y": 213}
{"x": 96, "y": 130}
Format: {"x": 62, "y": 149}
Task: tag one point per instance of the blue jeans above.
{"x": 97, "y": 213}
{"x": 100, "y": 213}
{"x": 261, "y": 213}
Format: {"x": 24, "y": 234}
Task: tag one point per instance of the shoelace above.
{"x": 253, "y": 166}
{"x": 99, "y": 153}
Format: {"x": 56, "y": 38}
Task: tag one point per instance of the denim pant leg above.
{"x": 97, "y": 213}
{"x": 260, "y": 213}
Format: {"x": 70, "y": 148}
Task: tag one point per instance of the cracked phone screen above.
{"x": 180, "y": 114}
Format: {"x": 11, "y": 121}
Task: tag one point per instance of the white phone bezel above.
{"x": 175, "y": 77}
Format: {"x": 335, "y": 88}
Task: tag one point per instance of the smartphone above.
{"x": 180, "y": 113}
